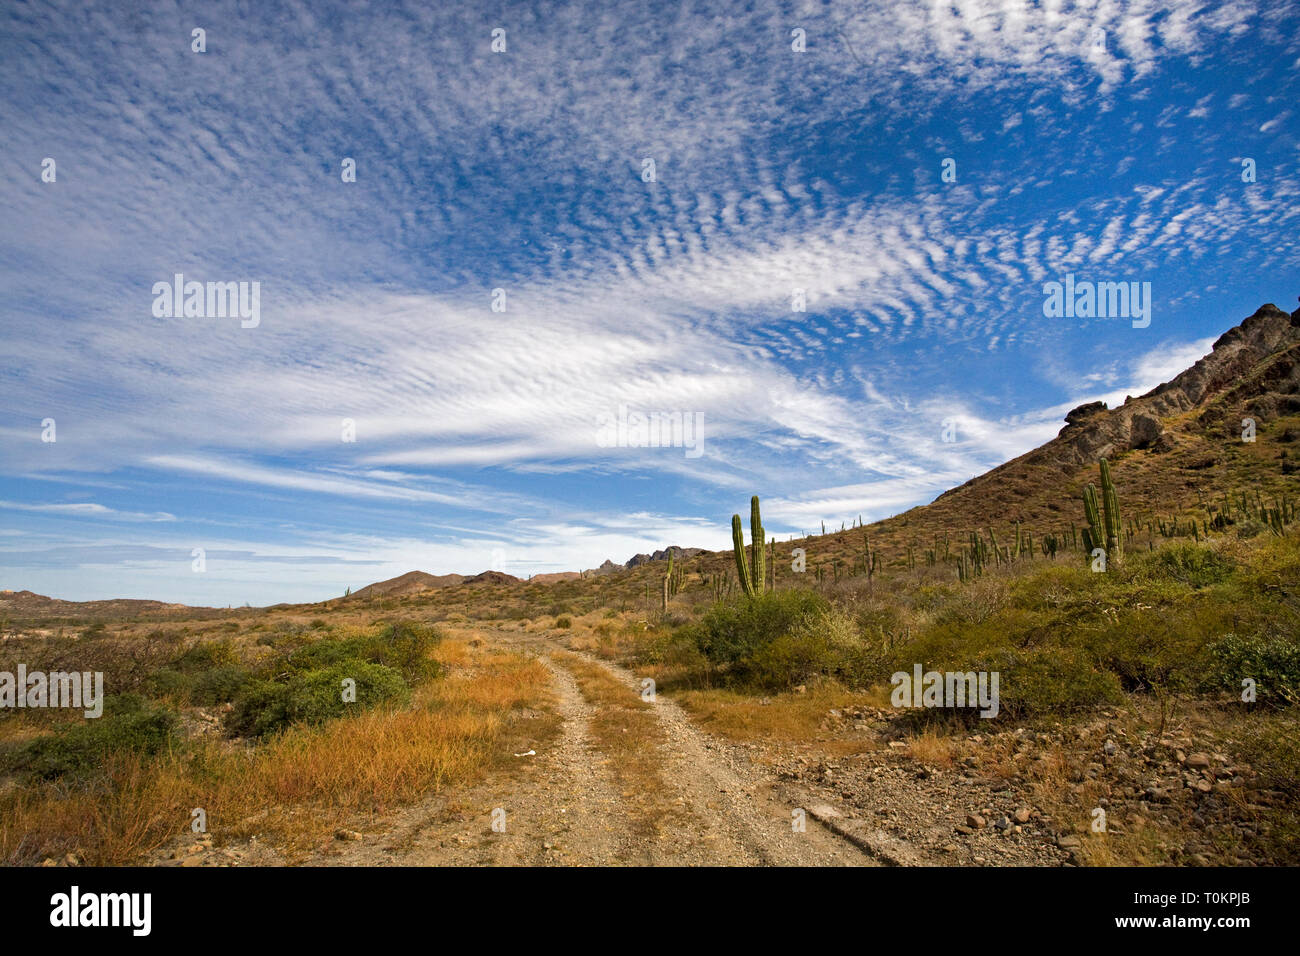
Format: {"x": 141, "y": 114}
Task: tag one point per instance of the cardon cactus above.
{"x": 738, "y": 547}
{"x": 1104, "y": 527}
{"x": 1093, "y": 536}
{"x": 1110, "y": 514}
{"x": 752, "y": 572}
{"x": 758, "y": 553}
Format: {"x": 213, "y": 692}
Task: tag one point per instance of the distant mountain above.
{"x": 412, "y": 582}
{"x": 493, "y": 577}
{"x": 31, "y": 604}
{"x": 670, "y": 551}
{"x": 553, "y": 577}
{"x": 608, "y": 567}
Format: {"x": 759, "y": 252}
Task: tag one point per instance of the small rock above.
{"x": 1022, "y": 815}
{"x": 975, "y": 821}
{"x": 352, "y": 835}
{"x": 1198, "y": 761}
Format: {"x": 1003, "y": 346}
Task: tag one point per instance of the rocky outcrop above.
{"x": 1253, "y": 369}
{"x": 1082, "y": 413}
{"x": 672, "y": 550}
{"x": 492, "y": 577}
{"x": 1256, "y": 359}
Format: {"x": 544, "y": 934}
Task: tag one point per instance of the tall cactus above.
{"x": 1093, "y": 536}
{"x": 752, "y": 572}
{"x": 758, "y": 553}
{"x": 1105, "y": 529}
{"x": 1110, "y": 513}
{"x": 738, "y": 547}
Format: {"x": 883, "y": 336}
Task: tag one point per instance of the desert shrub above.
{"x": 170, "y": 683}
{"x": 1273, "y": 662}
{"x": 204, "y": 674}
{"x": 733, "y": 630}
{"x": 1150, "y": 649}
{"x": 219, "y": 685}
{"x": 670, "y": 648}
{"x": 129, "y": 725}
{"x": 206, "y": 655}
{"x": 825, "y": 643}
{"x": 266, "y": 706}
{"x": 789, "y": 659}
{"x": 404, "y": 646}
{"x": 1193, "y": 565}
{"x": 1050, "y": 681}
{"x": 563, "y": 622}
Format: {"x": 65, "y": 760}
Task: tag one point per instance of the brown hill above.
{"x": 551, "y": 577}
{"x": 493, "y": 577}
{"x": 412, "y": 582}
{"x": 1176, "y": 446}
{"x": 30, "y": 604}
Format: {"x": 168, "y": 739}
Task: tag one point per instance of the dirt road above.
{"x": 666, "y": 794}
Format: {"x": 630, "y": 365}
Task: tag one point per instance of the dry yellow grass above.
{"x": 932, "y": 749}
{"x": 354, "y": 766}
{"x": 787, "y": 717}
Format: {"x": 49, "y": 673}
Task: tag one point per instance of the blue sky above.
{"x": 476, "y": 431}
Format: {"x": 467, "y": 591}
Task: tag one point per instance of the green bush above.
{"x": 129, "y": 725}
{"x": 826, "y": 643}
{"x": 790, "y": 659}
{"x": 1273, "y": 662}
{"x": 310, "y": 697}
{"x": 1050, "y": 681}
{"x": 734, "y": 630}
{"x": 1194, "y": 565}
{"x": 404, "y": 646}
{"x": 1149, "y": 648}
{"x": 219, "y": 685}
{"x": 206, "y": 655}
{"x": 204, "y": 688}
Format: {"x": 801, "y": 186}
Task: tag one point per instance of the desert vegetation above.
{"x": 253, "y": 728}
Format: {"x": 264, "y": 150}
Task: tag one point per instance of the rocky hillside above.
{"x": 1170, "y": 448}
